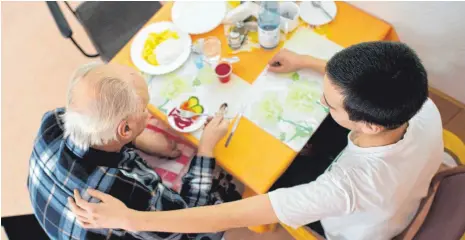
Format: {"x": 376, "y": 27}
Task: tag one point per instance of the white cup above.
{"x": 291, "y": 9}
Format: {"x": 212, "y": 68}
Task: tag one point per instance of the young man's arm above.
{"x": 112, "y": 213}
{"x": 328, "y": 196}
{"x": 247, "y": 212}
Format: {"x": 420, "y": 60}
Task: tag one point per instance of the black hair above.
{"x": 382, "y": 83}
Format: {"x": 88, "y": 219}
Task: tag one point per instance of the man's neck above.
{"x": 381, "y": 139}
{"x": 109, "y": 147}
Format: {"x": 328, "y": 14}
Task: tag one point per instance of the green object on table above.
{"x": 282, "y": 136}
{"x": 196, "y": 82}
{"x": 206, "y": 75}
{"x": 303, "y": 96}
{"x": 269, "y": 110}
{"x": 174, "y": 86}
{"x": 295, "y": 76}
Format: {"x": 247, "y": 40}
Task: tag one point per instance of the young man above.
{"x": 88, "y": 145}
{"x": 379, "y": 91}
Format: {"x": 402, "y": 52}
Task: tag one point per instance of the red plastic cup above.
{"x": 223, "y": 71}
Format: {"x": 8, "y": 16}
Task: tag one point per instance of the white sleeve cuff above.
{"x": 277, "y": 204}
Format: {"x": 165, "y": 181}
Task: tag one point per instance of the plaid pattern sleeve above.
{"x": 197, "y": 183}
{"x": 58, "y": 166}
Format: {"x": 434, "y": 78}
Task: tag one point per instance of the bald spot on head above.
{"x": 85, "y": 91}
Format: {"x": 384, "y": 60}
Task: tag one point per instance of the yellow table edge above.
{"x": 300, "y": 233}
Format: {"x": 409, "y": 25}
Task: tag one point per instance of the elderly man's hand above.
{"x": 214, "y": 131}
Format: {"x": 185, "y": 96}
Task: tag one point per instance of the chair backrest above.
{"x": 441, "y": 213}
{"x": 446, "y": 217}
{"x": 111, "y": 24}
{"x": 454, "y": 147}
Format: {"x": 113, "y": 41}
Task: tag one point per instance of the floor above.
{"x": 3, "y": 235}
{"x": 452, "y": 113}
{"x": 36, "y": 64}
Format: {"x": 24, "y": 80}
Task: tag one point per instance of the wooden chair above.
{"x": 441, "y": 213}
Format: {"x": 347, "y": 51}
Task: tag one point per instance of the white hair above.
{"x": 113, "y": 101}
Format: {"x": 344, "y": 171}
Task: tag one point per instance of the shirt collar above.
{"x": 90, "y": 155}
{"x": 102, "y": 158}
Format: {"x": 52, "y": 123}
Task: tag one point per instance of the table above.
{"x": 258, "y": 159}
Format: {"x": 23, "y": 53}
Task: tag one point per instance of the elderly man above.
{"x": 89, "y": 144}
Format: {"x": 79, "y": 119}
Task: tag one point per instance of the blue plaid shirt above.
{"x": 58, "y": 166}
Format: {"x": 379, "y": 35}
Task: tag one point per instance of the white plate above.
{"x": 197, "y": 124}
{"x": 315, "y": 16}
{"x": 138, "y": 46}
{"x": 198, "y": 17}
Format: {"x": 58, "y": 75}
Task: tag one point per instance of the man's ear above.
{"x": 370, "y": 128}
{"x": 124, "y": 131}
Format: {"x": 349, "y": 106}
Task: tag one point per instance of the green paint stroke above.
{"x": 299, "y": 134}
{"x": 325, "y": 108}
{"x": 269, "y": 110}
{"x": 297, "y": 125}
{"x": 295, "y": 76}
{"x": 162, "y": 107}
{"x": 196, "y": 82}
{"x": 302, "y": 96}
{"x": 282, "y": 136}
{"x": 173, "y": 87}
{"x": 301, "y": 131}
{"x": 206, "y": 75}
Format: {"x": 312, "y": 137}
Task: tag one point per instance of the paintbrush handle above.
{"x": 229, "y": 139}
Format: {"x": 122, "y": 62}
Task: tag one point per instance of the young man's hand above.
{"x": 109, "y": 213}
{"x": 212, "y": 134}
{"x": 286, "y": 61}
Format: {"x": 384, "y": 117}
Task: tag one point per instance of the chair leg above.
{"x": 70, "y": 8}
{"x": 82, "y": 51}
{"x": 71, "y": 36}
